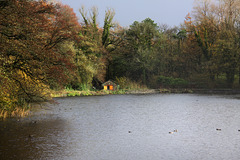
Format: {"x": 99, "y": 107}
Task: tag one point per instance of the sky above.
{"x": 170, "y": 12}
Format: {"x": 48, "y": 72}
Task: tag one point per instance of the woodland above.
{"x": 44, "y": 46}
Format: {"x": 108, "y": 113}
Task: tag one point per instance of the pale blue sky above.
{"x": 171, "y": 12}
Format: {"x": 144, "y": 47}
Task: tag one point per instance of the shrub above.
{"x": 172, "y": 82}
{"x": 127, "y": 84}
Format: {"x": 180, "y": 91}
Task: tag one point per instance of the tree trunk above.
{"x": 239, "y": 75}
{"x": 230, "y": 78}
{"x": 144, "y": 76}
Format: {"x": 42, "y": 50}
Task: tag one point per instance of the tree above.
{"x": 30, "y": 60}
{"x": 227, "y": 46}
{"x": 108, "y": 24}
{"x": 93, "y": 49}
{"x": 214, "y": 27}
{"x": 137, "y": 50}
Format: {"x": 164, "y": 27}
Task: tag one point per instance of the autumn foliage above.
{"x": 31, "y": 62}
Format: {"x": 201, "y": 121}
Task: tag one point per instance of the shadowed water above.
{"x": 127, "y": 127}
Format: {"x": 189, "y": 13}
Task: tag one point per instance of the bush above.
{"x": 172, "y": 82}
{"x": 78, "y": 86}
{"x": 127, "y": 84}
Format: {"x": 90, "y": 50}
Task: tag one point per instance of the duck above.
{"x": 218, "y": 129}
{"x": 170, "y": 132}
{"x": 34, "y": 122}
{"x": 30, "y": 136}
{"x": 175, "y": 130}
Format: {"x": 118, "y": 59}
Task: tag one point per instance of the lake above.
{"x": 127, "y": 127}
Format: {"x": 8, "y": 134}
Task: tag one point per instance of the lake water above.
{"x": 127, "y": 127}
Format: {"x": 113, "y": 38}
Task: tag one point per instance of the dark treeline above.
{"x": 203, "y": 52}
{"x": 44, "y": 47}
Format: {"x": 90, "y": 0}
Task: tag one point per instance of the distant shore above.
{"x": 217, "y": 91}
{"x": 65, "y": 93}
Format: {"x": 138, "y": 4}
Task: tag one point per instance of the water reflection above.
{"x": 31, "y": 139}
{"x": 127, "y": 127}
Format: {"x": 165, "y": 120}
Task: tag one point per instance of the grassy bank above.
{"x": 72, "y": 93}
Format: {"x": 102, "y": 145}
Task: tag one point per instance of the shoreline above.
{"x": 66, "y": 93}
{"x": 143, "y": 92}
{"x": 185, "y": 91}
{"x": 216, "y": 91}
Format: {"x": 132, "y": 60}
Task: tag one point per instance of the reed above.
{"x": 14, "y": 111}
{"x": 20, "y": 112}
